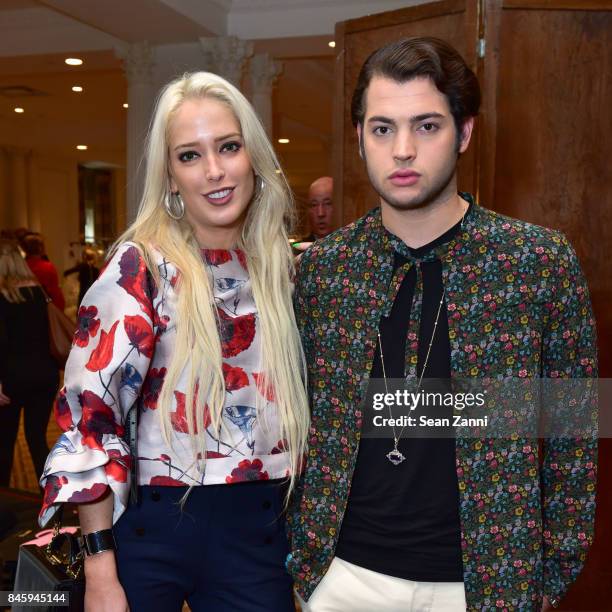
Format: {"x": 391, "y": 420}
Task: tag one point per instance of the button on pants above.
{"x": 223, "y": 552}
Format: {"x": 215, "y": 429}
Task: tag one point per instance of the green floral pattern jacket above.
{"x": 518, "y": 306}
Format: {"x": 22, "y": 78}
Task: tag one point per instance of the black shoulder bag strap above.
{"x": 132, "y": 439}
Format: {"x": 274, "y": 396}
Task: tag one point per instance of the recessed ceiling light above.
{"x": 283, "y": 140}
{"x": 77, "y": 88}
{"x": 278, "y": 171}
{"x": 82, "y": 147}
{"x": 126, "y": 105}
{"x": 73, "y": 61}
{"x": 331, "y": 43}
{"x": 19, "y": 110}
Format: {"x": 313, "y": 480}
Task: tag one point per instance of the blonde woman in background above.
{"x": 28, "y": 374}
{"x": 192, "y": 321}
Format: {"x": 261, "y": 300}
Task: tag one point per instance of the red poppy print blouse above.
{"x": 121, "y": 351}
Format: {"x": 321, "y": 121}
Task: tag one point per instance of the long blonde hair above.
{"x": 269, "y": 261}
{"x": 14, "y": 271}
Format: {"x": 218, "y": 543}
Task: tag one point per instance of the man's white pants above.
{"x": 350, "y": 588}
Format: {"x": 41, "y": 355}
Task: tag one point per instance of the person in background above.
{"x": 320, "y": 208}
{"x": 28, "y": 374}
{"x": 87, "y": 270}
{"x": 42, "y": 268}
{"x": 191, "y": 323}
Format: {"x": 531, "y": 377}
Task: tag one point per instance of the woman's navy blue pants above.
{"x": 224, "y": 552}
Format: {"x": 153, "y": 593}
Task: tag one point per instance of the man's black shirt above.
{"x": 403, "y": 520}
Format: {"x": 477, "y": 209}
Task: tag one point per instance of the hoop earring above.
{"x": 174, "y": 205}
{"x": 261, "y": 185}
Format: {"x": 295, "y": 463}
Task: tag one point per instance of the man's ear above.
{"x": 360, "y": 141}
{"x": 466, "y": 134}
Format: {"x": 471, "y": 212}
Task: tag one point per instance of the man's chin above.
{"x": 405, "y": 203}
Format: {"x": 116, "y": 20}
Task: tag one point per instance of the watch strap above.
{"x": 98, "y": 542}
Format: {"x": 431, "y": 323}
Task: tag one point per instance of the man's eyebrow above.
{"x": 219, "y": 139}
{"x": 424, "y": 116}
{"x": 413, "y": 120}
{"x": 381, "y": 119}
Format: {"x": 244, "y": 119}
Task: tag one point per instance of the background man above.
{"x": 434, "y": 285}
{"x": 320, "y": 208}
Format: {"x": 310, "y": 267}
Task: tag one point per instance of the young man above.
{"x": 431, "y": 284}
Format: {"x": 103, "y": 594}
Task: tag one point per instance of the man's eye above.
{"x": 232, "y": 147}
{"x": 188, "y": 156}
{"x": 429, "y": 127}
{"x": 381, "y": 130}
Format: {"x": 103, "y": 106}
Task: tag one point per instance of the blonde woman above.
{"x": 28, "y": 374}
{"x": 191, "y": 320}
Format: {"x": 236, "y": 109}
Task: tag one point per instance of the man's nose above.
{"x": 403, "y": 147}
{"x": 320, "y": 210}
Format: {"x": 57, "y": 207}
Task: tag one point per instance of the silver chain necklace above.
{"x": 395, "y": 456}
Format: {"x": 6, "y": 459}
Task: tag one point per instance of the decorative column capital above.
{"x": 226, "y": 56}
{"x": 137, "y": 62}
{"x": 263, "y": 72}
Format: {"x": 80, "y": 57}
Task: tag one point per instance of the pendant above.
{"x": 395, "y": 457}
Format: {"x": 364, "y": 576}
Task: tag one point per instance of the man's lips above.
{"x": 404, "y": 178}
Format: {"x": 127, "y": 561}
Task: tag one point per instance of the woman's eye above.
{"x": 188, "y": 156}
{"x": 381, "y": 130}
{"x": 232, "y": 147}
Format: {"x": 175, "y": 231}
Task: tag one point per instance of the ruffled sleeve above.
{"x": 111, "y": 352}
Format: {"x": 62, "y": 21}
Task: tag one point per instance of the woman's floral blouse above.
{"x": 517, "y": 307}
{"x": 121, "y": 351}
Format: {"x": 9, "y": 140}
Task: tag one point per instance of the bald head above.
{"x": 320, "y": 202}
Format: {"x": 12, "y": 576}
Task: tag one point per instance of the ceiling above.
{"x": 36, "y": 37}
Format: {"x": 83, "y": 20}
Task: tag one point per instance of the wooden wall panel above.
{"x": 454, "y": 21}
{"x": 554, "y": 134}
{"x": 552, "y": 167}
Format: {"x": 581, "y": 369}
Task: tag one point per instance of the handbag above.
{"x": 56, "y": 568}
{"x": 61, "y": 332}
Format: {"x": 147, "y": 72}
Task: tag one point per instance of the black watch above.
{"x": 97, "y": 542}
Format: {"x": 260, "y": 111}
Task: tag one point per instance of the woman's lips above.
{"x": 220, "y": 197}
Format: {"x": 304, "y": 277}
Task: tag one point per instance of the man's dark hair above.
{"x": 415, "y": 57}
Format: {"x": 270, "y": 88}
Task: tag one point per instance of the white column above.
{"x": 226, "y": 56}
{"x": 138, "y": 67}
{"x": 18, "y": 186}
{"x": 263, "y": 72}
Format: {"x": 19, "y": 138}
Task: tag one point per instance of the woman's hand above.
{"x": 103, "y": 591}
{"x": 5, "y": 400}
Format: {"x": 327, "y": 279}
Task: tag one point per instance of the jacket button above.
{"x": 139, "y": 531}
{"x": 155, "y": 496}
{"x": 267, "y": 505}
